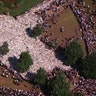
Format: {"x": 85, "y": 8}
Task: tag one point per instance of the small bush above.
{"x": 4, "y": 49}
{"x": 24, "y": 62}
{"x": 37, "y": 31}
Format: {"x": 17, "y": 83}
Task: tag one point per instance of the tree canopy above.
{"x": 41, "y": 77}
{"x": 37, "y": 31}
{"x": 58, "y": 85}
{"x": 76, "y": 94}
{"x": 24, "y": 62}
{"x": 88, "y": 68}
{"x": 4, "y": 49}
{"x": 73, "y": 53}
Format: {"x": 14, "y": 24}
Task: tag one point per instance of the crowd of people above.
{"x": 88, "y": 87}
{"x": 6, "y": 73}
{"x": 6, "y": 91}
{"x": 87, "y": 27}
{"x": 86, "y": 23}
{"x": 81, "y": 85}
{"x": 14, "y": 32}
{"x": 49, "y": 12}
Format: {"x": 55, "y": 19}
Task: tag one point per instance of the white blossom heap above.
{"x": 14, "y": 32}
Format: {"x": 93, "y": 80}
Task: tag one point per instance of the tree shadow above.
{"x": 59, "y": 53}
{"x": 13, "y": 62}
{"x": 29, "y": 32}
{"x": 30, "y": 76}
{"x": 79, "y": 66}
{"x": 94, "y": 1}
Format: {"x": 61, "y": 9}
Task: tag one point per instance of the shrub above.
{"x": 24, "y": 62}
{"x": 4, "y": 49}
{"x": 37, "y": 31}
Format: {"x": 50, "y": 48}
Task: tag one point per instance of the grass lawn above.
{"x": 17, "y": 8}
{"x": 23, "y": 6}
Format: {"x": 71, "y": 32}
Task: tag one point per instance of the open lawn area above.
{"x": 23, "y": 6}
{"x": 17, "y": 7}
{"x": 68, "y": 21}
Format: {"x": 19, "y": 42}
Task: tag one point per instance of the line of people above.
{"x": 86, "y": 23}
{"x": 6, "y": 91}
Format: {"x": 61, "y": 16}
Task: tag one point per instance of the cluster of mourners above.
{"x": 82, "y": 85}
{"x": 6, "y": 91}
{"x": 49, "y": 12}
{"x": 87, "y": 23}
{"x": 14, "y": 92}
{"x": 6, "y": 73}
{"x": 86, "y": 86}
{"x": 87, "y": 27}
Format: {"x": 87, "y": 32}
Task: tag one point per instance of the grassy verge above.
{"x": 24, "y": 6}
{"x": 19, "y": 8}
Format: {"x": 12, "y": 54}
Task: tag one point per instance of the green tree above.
{"x": 4, "y": 49}
{"x": 76, "y": 94}
{"x": 73, "y": 53}
{"x": 37, "y": 31}
{"x": 58, "y": 86}
{"x": 41, "y": 77}
{"x": 24, "y": 62}
{"x": 88, "y": 68}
